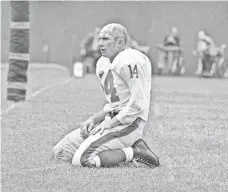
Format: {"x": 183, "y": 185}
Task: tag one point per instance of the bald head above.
{"x": 115, "y": 30}
{"x": 112, "y": 40}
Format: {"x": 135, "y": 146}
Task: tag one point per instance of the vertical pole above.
{"x": 19, "y": 51}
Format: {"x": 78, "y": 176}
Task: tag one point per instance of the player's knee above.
{"x": 62, "y": 152}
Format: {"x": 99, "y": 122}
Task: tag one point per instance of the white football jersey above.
{"x": 127, "y": 84}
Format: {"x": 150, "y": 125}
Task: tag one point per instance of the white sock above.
{"x": 97, "y": 161}
{"x": 129, "y": 153}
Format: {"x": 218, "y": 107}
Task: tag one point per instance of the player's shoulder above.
{"x": 102, "y": 60}
{"x": 127, "y": 57}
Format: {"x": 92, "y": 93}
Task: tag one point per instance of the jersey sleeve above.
{"x": 133, "y": 75}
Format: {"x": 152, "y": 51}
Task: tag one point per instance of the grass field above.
{"x": 187, "y": 128}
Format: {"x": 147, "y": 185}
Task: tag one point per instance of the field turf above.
{"x": 187, "y": 129}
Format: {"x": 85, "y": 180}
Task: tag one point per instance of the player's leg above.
{"x": 87, "y": 153}
{"x": 114, "y": 147}
{"x": 139, "y": 152}
{"x": 66, "y": 148}
{"x": 136, "y": 148}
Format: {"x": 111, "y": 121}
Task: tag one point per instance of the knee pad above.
{"x": 96, "y": 161}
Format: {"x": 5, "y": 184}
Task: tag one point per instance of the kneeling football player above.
{"x": 114, "y": 134}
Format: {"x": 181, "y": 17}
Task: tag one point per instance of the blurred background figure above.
{"x": 89, "y": 51}
{"x": 170, "y": 54}
{"x": 211, "y": 60}
{"x": 135, "y": 45}
{"x": 172, "y": 39}
{"x": 145, "y": 49}
{"x": 204, "y": 44}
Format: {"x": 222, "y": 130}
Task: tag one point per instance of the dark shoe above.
{"x": 143, "y": 154}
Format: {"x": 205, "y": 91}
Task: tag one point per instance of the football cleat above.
{"x": 143, "y": 154}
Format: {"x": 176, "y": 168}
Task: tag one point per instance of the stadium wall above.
{"x": 63, "y": 25}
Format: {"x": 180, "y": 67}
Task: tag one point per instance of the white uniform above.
{"x": 127, "y": 86}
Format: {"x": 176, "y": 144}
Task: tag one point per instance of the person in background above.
{"x": 89, "y": 50}
{"x": 173, "y": 38}
{"x": 205, "y": 49}
{"x": 171, "y": 56}
{"x": 132, "y": 43}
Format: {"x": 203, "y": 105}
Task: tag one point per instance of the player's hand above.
{"x": 86, "y": 127}
{"x": 100, "y": 128}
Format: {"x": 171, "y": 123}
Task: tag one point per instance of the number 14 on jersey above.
{"x": 134, "y": 71}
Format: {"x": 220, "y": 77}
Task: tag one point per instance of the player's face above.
{"x": 107, "y": 44}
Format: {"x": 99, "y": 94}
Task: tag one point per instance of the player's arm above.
{"x": 99, "y": 116}
{"x": 133, "y": 75}
{"x": 87, "y": 126}
{"x": 114, "y": 122}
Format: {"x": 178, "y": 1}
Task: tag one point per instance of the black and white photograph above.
{"x": 114, "y": 96}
